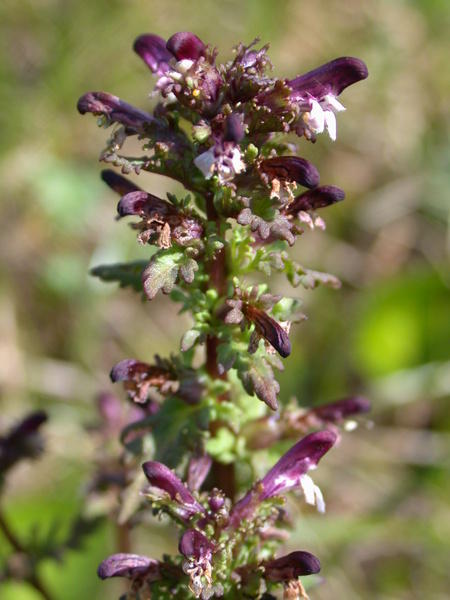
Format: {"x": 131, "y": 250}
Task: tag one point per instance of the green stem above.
{"x": 32, "y": 578}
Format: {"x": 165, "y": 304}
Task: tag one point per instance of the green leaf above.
{"x": 189, "y": 339}
{"x": 178, "y": 428}
{"x": 258, "y": 378}
{"x": 222, "y": 446}
{"x": 125, "y": 274}
{"x": 164, "y": 269}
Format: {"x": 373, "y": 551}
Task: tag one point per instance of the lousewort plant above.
{"x": 200, "y": 416}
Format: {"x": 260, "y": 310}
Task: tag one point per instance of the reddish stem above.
{"x": 224, "y": 476}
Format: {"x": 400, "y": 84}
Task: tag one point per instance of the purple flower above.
{"x": 198, "y": 469}
{"x": 216, "y": 500}
{"x": 131, "y": 566}
{"x": 317, "y": 198}
{"x": 111, "y": 412}
{"x": 162, "y": 223}
{"x": 194, "y": 544}
{"x": 316, "y": 94}
{"x": 119, "y": 184}
{"x": 185, "y": 46}
{"x": 341, "y": 409}
{"x": 269, "y": 329}
{"x": 192, "y": 79}
{"x": 304, "y": 205}
{"x": 143, "y": 204}
{"x": 164, "y": 483}
{"x": 139, "y": 377}
{"x": 291, "y": 566}
{"x": 198, "y": 551}
{"x": 115, "y": 110}
{"x": 152, "y": 49}
{"x": 224, "y": 159}
{"x": 290, "y": 169}
{"x": 292, "y": 466}
{"x": 331, "y": 78}
{"x": 234, "y": 128}
{"x": 22, "y": 441}
{"x": 288, "y": 473}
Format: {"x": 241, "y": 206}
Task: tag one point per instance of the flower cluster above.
{"x": 218, "y": 130}
{"x": 216, "y": 532}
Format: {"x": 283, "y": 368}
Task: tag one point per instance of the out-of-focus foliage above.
{"x": 385, "y": 332}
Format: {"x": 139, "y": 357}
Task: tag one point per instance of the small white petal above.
{"x": 205, "y": 162}
{"x": 320, "y": 502}
{"x": 330, "y": 122}
{"x": 184, "y": 65}
{"x": 316, "y": 117}
{"x": 169, "y": 99}
{"x": 351, "y": 425}
{"x": 305, "y": 217}
{"x": 307, "y": 485}
{"x": 319, "y": 223}
{"x": 236, "y": 161}
{"x": 175, "y": 75}
{"x": 334, "y": 102}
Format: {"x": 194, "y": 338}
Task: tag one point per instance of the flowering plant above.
{"x": 217, "y": 129}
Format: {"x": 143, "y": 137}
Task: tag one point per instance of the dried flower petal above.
{"x": 291, "y": 168}
{"x": 152, "y": 49}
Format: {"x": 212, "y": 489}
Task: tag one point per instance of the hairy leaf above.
{"x": 125, "y": 274}
{"x": 164, "y": 269}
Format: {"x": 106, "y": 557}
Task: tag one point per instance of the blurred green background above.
{"x": 386, "y": 333}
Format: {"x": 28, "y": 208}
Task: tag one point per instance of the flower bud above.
{"x": 162, "y": 478}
